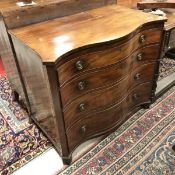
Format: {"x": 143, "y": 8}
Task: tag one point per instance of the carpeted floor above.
{"x": 141, "y": 146}
{"x": 167, "y": 67}
{"x": 21, "y": 142}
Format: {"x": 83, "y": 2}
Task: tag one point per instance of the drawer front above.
{"x": 101, "y": 99}
{"x": 103, "y": 121}
{"x": 106, "y": 55}
{"x": 106, "y": 76}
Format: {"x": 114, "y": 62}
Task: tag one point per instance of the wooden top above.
{"x": 156, "y": 4}
{"x": 170, "y": 24}
{"x": 16, "y": 16}
{"x": 54, "y": 38}
{"x": 128, "y": 3}
{"x": 168, "y": 7}
{"x": 6, "y": 5}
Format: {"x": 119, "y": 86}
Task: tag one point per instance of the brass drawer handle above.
{"x": 135, "y": 96}
{"x": 83, "y": 129}
{"x": 81, "y": 85}
{"x": 81, "y": 107}
{"x": 142, "y": 39}
{"x": 79, "y": 65}
{"x": 137, "y": 76}
{"x": 140, "y": 57}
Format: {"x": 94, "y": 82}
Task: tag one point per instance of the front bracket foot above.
{"x": 146, "y": 106}
{"x": 67, "y": 160}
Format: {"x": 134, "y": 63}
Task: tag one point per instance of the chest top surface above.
{"x": 6, "y": 5}
{"x": 54, "y": 38}
{"x": 171, "y": 19}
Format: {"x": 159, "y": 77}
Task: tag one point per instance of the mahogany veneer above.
{"x": 169, "y": 29}
{"x": 128, "y": 3}
{"x": 85, "y": 74}
{"x": 156, "y": 4}
{"x": 14, "y": 16}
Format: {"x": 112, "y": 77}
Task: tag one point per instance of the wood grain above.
{"x": 170, "y": 24}
{"x": 36, "y": 83}
{"x": 85, "y": 30}
{"x": 16, "y": 16}
{"x": 112, "y": 54}
{"x": 97, "y": 80}
{"x": 152, "y": 4}
{"x": 45, "y": 48}
{"x": 94, "y": 101}
{"x": 108, "y": 118}
{"x": 12, "y": 15}
{"x": 168, "y": 7}
{"x": 11, "y": 67}
{"x": 128, "y": 3}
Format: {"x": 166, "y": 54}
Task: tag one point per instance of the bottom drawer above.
{"x": 103, "y": 121}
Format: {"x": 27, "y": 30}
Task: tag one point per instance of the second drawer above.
{"x": 103, "y": 98}
{"x": 102, "y": 79}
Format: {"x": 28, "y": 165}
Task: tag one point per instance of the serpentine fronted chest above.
{"x": 85, "y": 74}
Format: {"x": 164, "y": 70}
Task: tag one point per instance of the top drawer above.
{"x": 112, "y": 54}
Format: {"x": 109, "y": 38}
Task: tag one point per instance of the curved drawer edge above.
{"x": 146, "y": 26}
{"x": 98, "y": 69}
{"x": 112, "y": 106}
{"x": 113, "y": 128}
{"x": 106, "y": 85}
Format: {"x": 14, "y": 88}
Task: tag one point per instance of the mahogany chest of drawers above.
{"x": 14, "y": 16}
{"x": 85, "y": 74}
